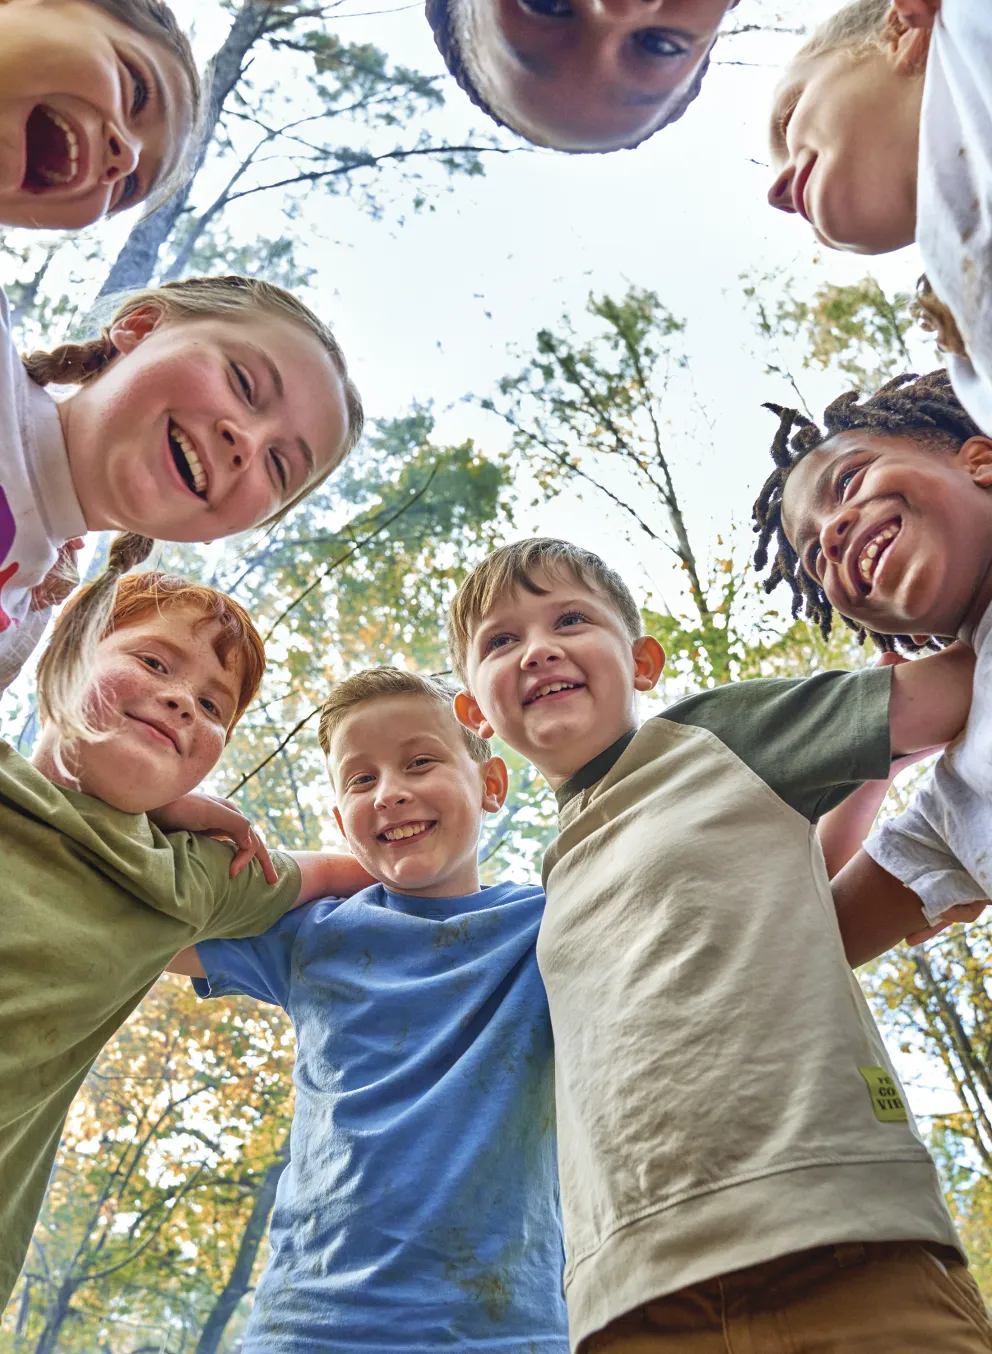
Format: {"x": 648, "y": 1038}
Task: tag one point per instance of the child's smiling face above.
{"x": 554, "y": 674}
{"x": 897, "y": 531}
{"x": 410, "y": 796}
{"x": 844, "y": 147}
{"x": 588, "y": 74}
{"x": 203, "y": 428}
{"x": 166, "y": 699}
{"x": 92, "y": 113}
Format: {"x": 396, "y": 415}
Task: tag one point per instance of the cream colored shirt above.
{"x": 723, "y": 1094}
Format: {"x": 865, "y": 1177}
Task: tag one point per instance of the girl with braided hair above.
{"x": 99, "y": 101}
{"x": 579, "y": 75}
{"x": 881, "y": 134}
{"x": 886, "y": 519}
{"x": 205, "y": 408}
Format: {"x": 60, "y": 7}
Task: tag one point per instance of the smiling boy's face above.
{"x": 555, "y": 674}
{"x": 898, "y": 532}
{"x": 410, "y": 796}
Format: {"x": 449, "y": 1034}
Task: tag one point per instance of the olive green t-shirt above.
{"x": 93, "y": 904}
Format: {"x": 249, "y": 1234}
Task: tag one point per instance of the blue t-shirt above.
{"x": 419, "y": 1211}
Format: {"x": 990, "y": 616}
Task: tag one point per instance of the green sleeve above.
{"x": 813, "y": 740}
{"x": 231, "y": 909}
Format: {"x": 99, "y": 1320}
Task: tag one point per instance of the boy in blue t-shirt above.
{"x": 419, "y": 1211}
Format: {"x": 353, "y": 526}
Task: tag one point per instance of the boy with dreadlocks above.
{"x": 885, "y": 517}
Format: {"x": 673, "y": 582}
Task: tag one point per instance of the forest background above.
{"x": 577, "y": 345}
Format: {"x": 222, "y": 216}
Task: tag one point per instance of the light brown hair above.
{"x": 134, "y": 597}
{"x": 375, "y": 683}
{"x": 512, "y": 567}
{"x": 73, "y": 646}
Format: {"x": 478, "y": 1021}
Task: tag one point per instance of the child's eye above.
{"x": 211, "y": 709}
{"x": 421, "y": 762}
{"x": 496, "y": 642}
{"x": 845, "y": 478}
{"x": 280, "y": 469}
{"x": 359, "y": 782}
{"x": 784, "y": 117}
{"x": 549, "y": 9}
{"x": 150, "y": 661}
{"x": 656, "y": 42}
{"x": 243, "y": 381}
{"x": 139, "y": 88}
{"x": 812, "y": 555}
{"x": 573, "y": 618}
{"x": 129, "y": 193}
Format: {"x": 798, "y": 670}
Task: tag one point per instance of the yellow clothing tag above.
{"x": 885, "y": 1097}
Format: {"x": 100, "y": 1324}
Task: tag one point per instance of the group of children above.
{"x": 645, "y": 1108}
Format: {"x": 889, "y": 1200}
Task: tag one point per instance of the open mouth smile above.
{"x": 870, "y": 555}
{"x": 551, "y": 689}
{"x": 187, "y": 462}
{"x": 404, "y": 831}
{"x": 53, "y": 149}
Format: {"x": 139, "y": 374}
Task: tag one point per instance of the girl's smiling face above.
{"x": 593, "y": 75}
{"x": 203, "y": 428}
{"x": 92, "y": 113}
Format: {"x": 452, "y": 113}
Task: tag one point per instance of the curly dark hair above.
{"x": 924, "y": 408}
{"x": 440, "y": 16}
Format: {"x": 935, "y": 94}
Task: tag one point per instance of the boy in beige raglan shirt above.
{"x": 739, "y": 1171}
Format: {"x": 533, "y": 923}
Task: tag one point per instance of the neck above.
{"x": 558, "y": 775}
{"x": 69, "y": 411}
{"x": 980, "y": 603}
{"x": 459, "y": 884}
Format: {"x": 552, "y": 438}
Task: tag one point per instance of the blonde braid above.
{"x": 66, "y": 665}
{"x": 934, "y": 315}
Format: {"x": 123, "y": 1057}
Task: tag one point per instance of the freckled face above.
{"x": 590, "y": 74}
{"x": 844, "y": 146}
{"x": 898, "y": 532}
{"x": 203, "y": 428}
{"x": 554, "y": 674}
{"x": 410, "y": 797}
{"x": 161, "y": 690}
{"x": 92, "y": 113}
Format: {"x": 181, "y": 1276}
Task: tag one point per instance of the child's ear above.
{"x": 496, "y": 781}
{"x": 907, "y": 33}
{"x": 976, "y": 455}
{"x": 467, "y": 712}
{"x": 649, "y": 662}
{"x": 127, "y": 332}
{"x": 337, "y": 818}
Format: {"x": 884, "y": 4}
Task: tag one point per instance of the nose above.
{"x": 540, "y": 650}
{"x": 120, "y": 155}
{"x": 780, "y": 193}
{"x": 181, "y": 703}
{"x": 240, "y": 446}
{"x": 390, "y": 792}
{"x": 833, "y": 534}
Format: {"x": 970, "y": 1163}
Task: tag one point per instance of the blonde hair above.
{"x": 511, "y": 568}
{"x": 375, "y": 683}
{"x": 863, "y": 27}
{"x": 74, "y": 644}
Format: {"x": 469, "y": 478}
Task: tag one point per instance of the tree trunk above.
{"x": 135, "y": 265}
{"x": 239, "y": 1282}
{"x": 58, "y": 1313}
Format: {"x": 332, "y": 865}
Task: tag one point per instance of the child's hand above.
{"x": 963, "y": 912}
{"x": 61, "y": 579}
{"x": 198, "y": 812}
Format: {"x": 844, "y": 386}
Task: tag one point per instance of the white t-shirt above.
{"x": 940, "y": 846}
{"x": 954, "y": 199}
{"x": 39, "y": 509}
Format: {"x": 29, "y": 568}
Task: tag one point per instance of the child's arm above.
{"x": 876, "y": 911}
{"x": 323, "y": 874}
{"x": 198, "y": 812}
{"x": 930, "y": 700}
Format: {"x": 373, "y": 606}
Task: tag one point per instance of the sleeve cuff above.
{"x": 939, "y": 883}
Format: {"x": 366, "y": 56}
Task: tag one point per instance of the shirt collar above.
{"x": 593, "y": 771}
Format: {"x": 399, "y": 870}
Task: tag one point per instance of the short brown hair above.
{"x": 373, "y": 683}
{"x": 511, "y": 567}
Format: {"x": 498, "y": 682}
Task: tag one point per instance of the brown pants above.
{"x": 877, "y": 1298}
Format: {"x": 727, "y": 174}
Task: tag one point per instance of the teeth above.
{"x": 192, "y": 460}
{"x": 869, "y": 555}
{"x": 551, "y": 687}
{"x": 396, "y": 834}
{"x": 55, "y": 177}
